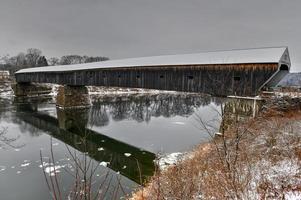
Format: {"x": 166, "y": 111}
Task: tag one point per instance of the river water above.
{"x": 121, "y": 134}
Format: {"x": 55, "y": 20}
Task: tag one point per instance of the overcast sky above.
{"x": 133, "y": 28}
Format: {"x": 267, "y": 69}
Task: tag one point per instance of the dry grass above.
{"x": 256, "y": 159}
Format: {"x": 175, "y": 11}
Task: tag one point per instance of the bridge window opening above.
{"x": 138, "y": 76}
{"x": 190, "y": 77}
{"x": 236, "y": 78}
{"x": 161, "y": 76}
{"x": 119, "y": 76}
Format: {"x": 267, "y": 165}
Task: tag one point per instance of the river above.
{"x": 121, "y": 134}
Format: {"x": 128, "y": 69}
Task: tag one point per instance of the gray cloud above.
{"x": 132, "y": 28}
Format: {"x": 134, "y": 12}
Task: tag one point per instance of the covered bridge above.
{"x": 235, "y": 72}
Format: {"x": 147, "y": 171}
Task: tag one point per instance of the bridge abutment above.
{"x": 73, "y": 97}
{"x": 30, "y": 89}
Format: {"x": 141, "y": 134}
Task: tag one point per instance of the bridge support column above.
{"x": 73, "y": 97}
{"x": 30, "y": 89}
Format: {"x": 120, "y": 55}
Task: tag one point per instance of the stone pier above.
{"x": 73, "y": 97}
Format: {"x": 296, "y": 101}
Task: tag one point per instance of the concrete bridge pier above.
{"x": 73, "y": 97}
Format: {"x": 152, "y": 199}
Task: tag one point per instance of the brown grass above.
{"x": 237, "y": 165}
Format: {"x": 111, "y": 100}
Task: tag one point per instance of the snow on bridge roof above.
{"x": 243, "y": 56}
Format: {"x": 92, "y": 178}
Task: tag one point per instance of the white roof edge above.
{"x": 235, "y": 56}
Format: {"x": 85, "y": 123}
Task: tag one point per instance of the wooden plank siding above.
{"x": 215, "y": 79}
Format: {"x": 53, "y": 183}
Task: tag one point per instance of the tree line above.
{"x": 34, "y": 58}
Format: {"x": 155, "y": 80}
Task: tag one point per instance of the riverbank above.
{"x": 259, "y": 158}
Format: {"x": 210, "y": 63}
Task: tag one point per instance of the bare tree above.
{"x": 53, "y": 61}
{"x": 8, "y": 141}
{"x": 71, "y": 59}
{"x": 32, "y": 56}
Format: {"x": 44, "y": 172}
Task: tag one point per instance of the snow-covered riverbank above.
{"x": 257, "y": 159}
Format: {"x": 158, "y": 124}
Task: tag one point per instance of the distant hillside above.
{"x": 292, "y": 79}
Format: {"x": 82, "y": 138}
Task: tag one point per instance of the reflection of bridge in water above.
{"x": 70, "y": 128}
{"x": 238, "y": 110}
{"x": 144, "y": 107}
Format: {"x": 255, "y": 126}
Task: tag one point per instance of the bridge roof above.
{"x": 239, "y": 56}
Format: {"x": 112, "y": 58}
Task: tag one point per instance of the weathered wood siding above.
{"x": 220, "y": 80}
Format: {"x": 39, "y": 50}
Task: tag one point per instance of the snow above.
{"x": 95, "y": 90}
{"x": 52, "y": 170}
{"x": 6, "y": 94}
{"x": 6, "y": 91}
{"x": 248, "y": 98}
{"x": 279, "y": 173}
{"x": 169, "y": 159}
{"x": 293, "y": 195}
{"x": 100, "y": 149}
{"x": 25, "y": 164}
{"x": 2, "y": 168}
{"x": 256, "y": 55}
{"x": 127, "y": 154}
{"x": 105, "y": 164}
{"x": 178, "y": 123}
{"x": 287, "y": 94}
{"x": 218, "y": 134}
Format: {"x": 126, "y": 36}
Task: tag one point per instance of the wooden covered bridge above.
{"x": 241, "y": 72}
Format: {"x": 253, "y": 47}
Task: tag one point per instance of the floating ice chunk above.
{"x": 55, "y": 144}
{"x": 25, "y": 164}
{"x": 52, "y": 170}
{"x": 44, "y": 164}
{"x": 124, "y": 167}
{"x": 179, "y": 123}
{"x": 13, "y": 167}
{"x": 18, "y": 172}
{"x": 100, "y": 149}
{"x": 2, "y": 168}
{"x": 105, "y": 164}
{"x": 17, "y": 149}
{"x": 118, "y": 172}
{"x": 127, "y": 154}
